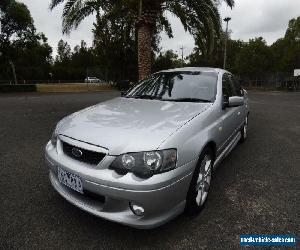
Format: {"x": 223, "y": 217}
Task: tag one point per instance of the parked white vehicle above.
{"x": 91, "y": 79}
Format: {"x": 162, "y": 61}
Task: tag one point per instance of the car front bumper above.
{"x": 162, "y": 196}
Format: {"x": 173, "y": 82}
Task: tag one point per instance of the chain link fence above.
{"x": 19, "y": 82}
{"x": 272, "y": 81}
{"x": 65, "y": 75}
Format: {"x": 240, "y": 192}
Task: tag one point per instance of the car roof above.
{"x": 194, "y": 69}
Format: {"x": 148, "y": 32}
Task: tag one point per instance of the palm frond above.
{"x": 68, "y": 6}
{"x": 75, "y": 11}
{"x": 54, "y": 3}
{"x": 200, "y": 18}
{"x": 165, "y": 24}
{"x": 230, "y": 3}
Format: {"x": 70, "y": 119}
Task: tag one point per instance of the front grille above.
{"x": 87, "y": 156}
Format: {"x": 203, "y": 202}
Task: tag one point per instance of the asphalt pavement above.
{"x": 256, "y": 190}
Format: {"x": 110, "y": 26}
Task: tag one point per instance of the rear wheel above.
{"x": 200, "y": 184}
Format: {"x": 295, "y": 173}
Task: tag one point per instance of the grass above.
{"x": 82, "y": 87}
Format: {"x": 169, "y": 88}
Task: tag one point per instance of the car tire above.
{"x": 200, "y": 183}
{"x": 244, "y": 131}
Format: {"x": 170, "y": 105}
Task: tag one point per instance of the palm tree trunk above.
{"x": 144, "y": 50}
{"x": 145, "y": 24}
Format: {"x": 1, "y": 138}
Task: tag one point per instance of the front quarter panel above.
{"x": 192, "y": 138}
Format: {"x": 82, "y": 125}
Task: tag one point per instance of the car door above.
{"x": 229, "y": 122}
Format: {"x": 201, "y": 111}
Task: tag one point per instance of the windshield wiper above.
{"x": 188, "y": 100}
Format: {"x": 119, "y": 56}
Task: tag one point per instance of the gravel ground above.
{"x": 255, "y": 190}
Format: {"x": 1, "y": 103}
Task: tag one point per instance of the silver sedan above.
{"x": 144, "y": 158}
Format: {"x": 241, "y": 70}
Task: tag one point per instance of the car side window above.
{"x": 227, "y": 86}
{"x": 237, "y": 86}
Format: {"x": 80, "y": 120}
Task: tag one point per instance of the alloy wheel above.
{"x": 245, "y": 128}
{"x": 204, "y": 180}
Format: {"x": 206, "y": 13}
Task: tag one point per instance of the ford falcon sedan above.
{"x": 144, "y": 158}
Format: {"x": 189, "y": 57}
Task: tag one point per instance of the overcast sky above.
{"x": 250, "y": 18}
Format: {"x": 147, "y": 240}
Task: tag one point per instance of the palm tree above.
{"x": 199, "y": 17}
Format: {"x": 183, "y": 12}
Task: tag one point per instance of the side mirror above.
{"x": 236, "y": 101}
{"x": 225, "y": 102}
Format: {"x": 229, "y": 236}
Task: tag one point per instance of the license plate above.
{"x": 70, "y": 180}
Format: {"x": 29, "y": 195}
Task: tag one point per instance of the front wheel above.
{"x": 201, "y": 180}
{"x": 244, "y": 131}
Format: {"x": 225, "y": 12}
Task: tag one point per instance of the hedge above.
{"x": 6, "y": 88}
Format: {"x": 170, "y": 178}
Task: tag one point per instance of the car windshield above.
{"x": 180, "y": 86}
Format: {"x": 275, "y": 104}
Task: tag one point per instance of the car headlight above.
{"x": 145, "y": 164}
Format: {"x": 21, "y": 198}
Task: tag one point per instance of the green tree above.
{"x": 33, "y": 57}
{"x": 115, "y": 46}
{"x": 72, "y": 65}
{"x": 293, "y": 31}
{"x": 291, "y": 57}
{"x": 286, "y": 51}
{"x": 254, "y": 59}
{"x": 234, "y": 49}
{"x": 82, "y": 56}
{"x": 279, "y": 50}
{"x": 201, "y": 57}
{"x": 166, "y": 60}
{"x": 199, "y": 17}
{"x": 15, "y": 20}
{"x": 22, "y": 49}
{"x": 63, "y": 52}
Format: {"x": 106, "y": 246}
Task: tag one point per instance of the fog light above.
{"x": 136, "y": 209}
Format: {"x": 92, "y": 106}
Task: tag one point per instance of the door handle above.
{"x": 239, "y": 113}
